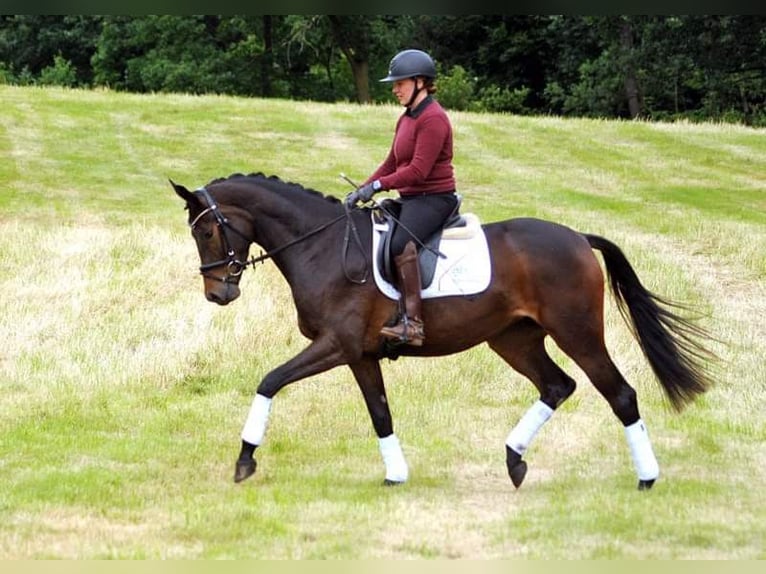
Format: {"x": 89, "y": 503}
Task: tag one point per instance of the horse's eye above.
{"x": 205, "y": 234}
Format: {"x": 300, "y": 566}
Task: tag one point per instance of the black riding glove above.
{"x": 363, "y": 194}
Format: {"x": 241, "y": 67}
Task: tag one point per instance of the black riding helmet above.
{"x": 409, "y": 64}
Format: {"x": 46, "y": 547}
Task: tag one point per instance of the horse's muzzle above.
{"x": 222, "y": 294}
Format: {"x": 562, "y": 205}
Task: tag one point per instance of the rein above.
{"x": 235, "y": 267}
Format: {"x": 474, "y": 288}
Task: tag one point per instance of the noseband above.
{"x": 234, "y": 267}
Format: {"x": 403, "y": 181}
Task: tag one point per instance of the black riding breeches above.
{"x": 421, "y": 215}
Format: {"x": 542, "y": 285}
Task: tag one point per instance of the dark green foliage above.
{"x": 653, "y": 67}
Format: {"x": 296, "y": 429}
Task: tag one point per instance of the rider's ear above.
{"x": 184, "y": 193}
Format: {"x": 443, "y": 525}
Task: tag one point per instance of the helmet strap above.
{"x": 415, "y": 93}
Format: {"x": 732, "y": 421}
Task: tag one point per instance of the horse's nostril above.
{"x": 215, "y": 298}
{"x": 223, "y": 296}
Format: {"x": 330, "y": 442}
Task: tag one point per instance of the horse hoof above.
{"x": 645, "y": 484}
{"x": 517, "y": 473}
{"x": 244, "y": 469}
{"x": 389, "y": 482}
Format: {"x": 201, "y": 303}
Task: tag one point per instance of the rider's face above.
{"x": 403, "y": 89}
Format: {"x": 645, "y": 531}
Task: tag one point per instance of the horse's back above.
{"x": 541, "y": 255}
{"x": 537, "y": 238}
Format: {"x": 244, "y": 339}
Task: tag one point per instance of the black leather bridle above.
{"x": 235, "y": 267}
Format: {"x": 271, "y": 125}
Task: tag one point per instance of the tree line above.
{"x": 655, "y": 67}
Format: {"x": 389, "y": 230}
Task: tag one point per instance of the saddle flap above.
{"x": 427, "y": 257}
{"x": 459, "y": 227}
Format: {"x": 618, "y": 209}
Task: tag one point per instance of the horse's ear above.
{"x": 183, "y": 193}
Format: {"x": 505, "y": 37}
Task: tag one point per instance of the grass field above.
{"x": 124, "y": 391}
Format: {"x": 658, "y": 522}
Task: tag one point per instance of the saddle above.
{"x": 455, "y": 225}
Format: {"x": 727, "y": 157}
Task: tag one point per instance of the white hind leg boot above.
{"x": 526, "y": 429}
{"x": 641, "y": 451}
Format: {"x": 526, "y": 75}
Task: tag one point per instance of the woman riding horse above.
{"x": 419, "y": 165}
{"x": 546, "y": 282}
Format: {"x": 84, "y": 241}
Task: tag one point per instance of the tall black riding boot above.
{"x": 409, "y": 330}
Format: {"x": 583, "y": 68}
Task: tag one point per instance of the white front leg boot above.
{"x": 393, "y": 457}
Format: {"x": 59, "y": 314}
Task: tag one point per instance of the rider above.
{"x": 419, "y": 166}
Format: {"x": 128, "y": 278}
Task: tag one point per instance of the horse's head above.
{"x": 222, "y": 243}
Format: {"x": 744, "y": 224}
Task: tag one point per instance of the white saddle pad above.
{"x": 465, "y": 271}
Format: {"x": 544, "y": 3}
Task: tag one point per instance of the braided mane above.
{"x": 274, "y": 183}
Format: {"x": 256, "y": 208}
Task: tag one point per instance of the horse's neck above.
{"x": 280, "y": 221}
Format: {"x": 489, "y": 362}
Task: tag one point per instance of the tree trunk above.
{"x": 351, "y": 34}
{"x": 268, "y": 56}
{"x": 361, "y": 71}
{"x": 631, "y": 82}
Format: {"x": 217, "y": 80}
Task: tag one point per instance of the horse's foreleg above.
{"x": 321, "y": 355}
{"x": 370, "y": 380}
{"x": 522, "y": 346}
{"x": 252, "y": 436}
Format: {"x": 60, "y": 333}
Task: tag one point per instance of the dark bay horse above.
{"x": 546, "y": 281}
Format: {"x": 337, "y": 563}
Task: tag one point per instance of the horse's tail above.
{"x": 672, "y": 344}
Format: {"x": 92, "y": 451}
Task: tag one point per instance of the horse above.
{"x": 545, "y": 282}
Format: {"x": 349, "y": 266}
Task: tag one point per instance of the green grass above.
{"x": 124, "y": 391}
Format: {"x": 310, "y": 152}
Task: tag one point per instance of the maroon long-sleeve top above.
{"x": 420, "y": 158}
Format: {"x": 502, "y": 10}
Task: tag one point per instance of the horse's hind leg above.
{"x": 586, "y": 347}
{"x": 622, "y": 399}
{"x": 523, "y": 348}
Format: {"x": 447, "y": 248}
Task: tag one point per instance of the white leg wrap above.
{"x": 526, "y": 429}
{"x": 255, "y": 425}
{"x": 393, "y": 458}
{"x": 641, "y": 451}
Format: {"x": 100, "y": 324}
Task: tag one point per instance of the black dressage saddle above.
{"x": 387, "y": 212}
